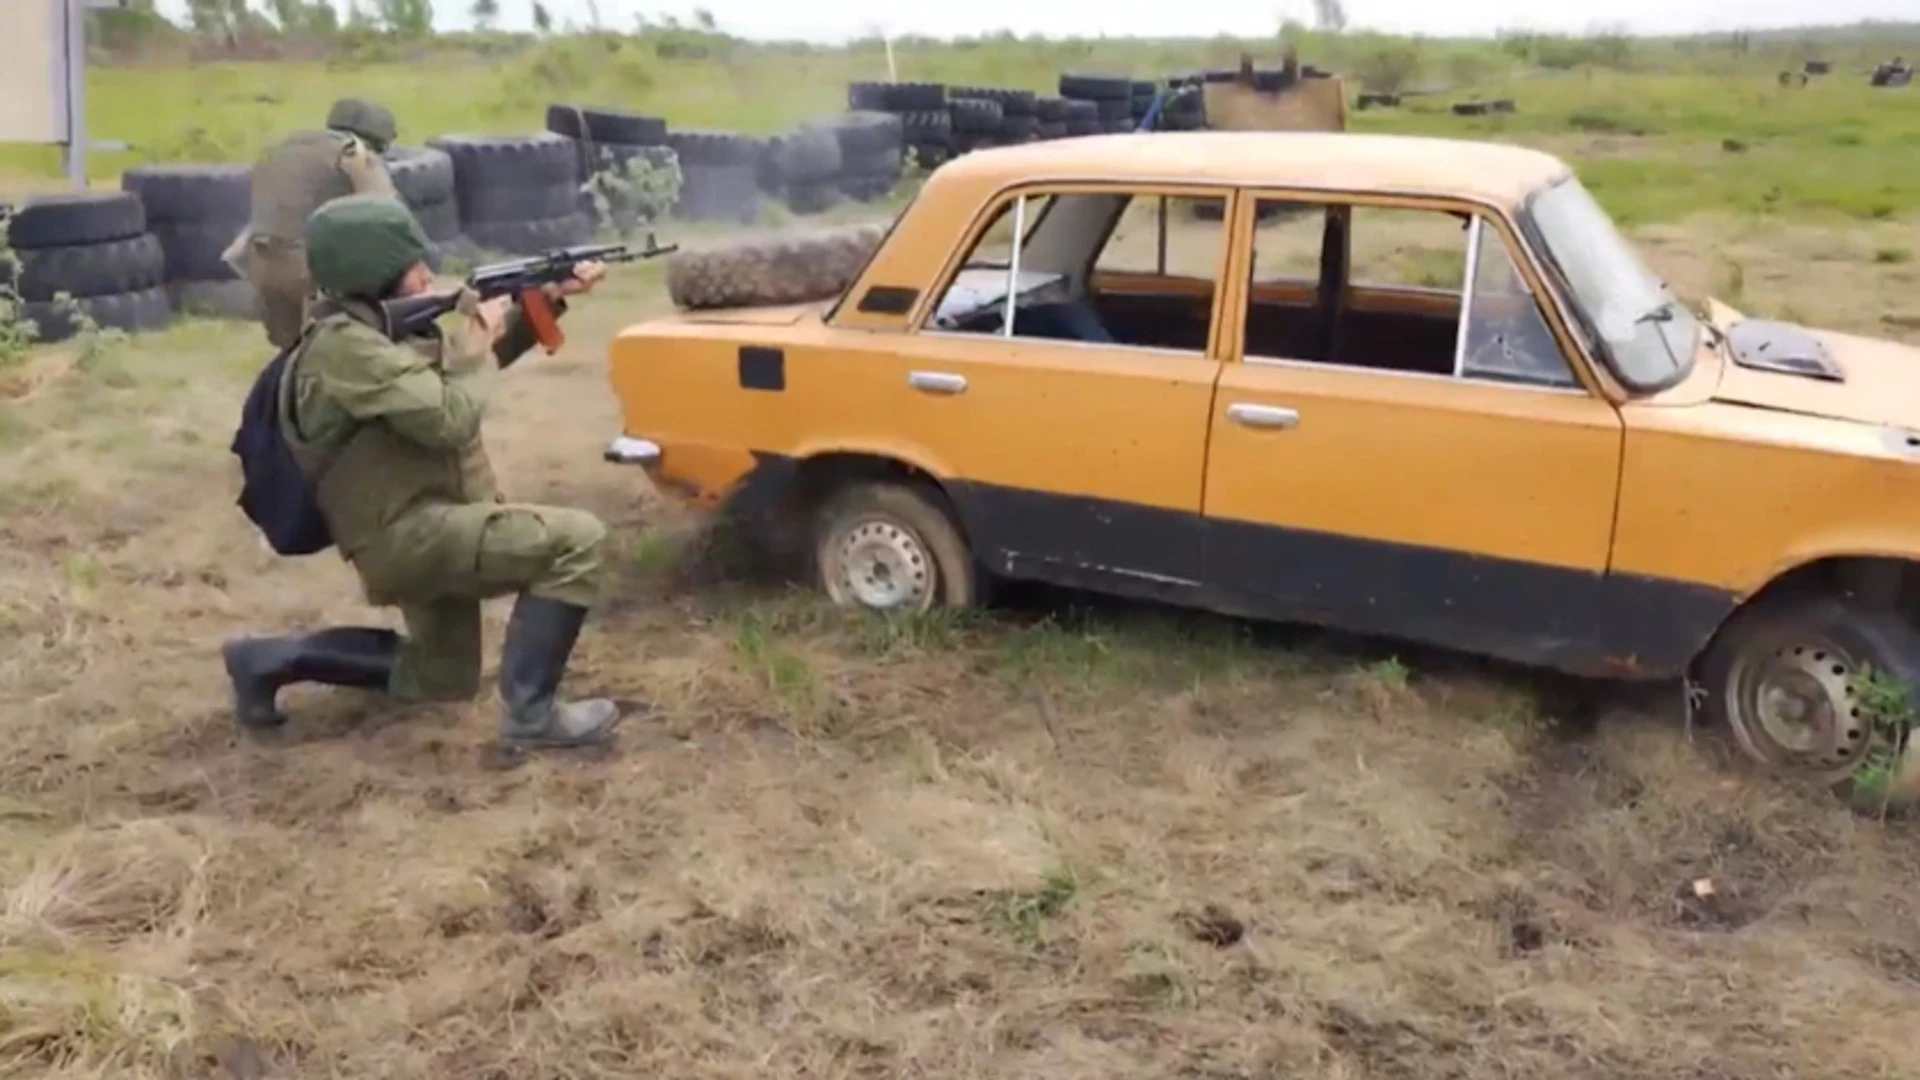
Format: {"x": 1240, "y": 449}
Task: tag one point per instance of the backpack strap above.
{"x": 288, "y": 408}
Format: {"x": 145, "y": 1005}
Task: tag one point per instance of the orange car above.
{"x": 1402, "y": 386}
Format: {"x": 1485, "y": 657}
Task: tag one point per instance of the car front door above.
{"x": 1073, "y": 442}
{"x": 1414, "y": 455}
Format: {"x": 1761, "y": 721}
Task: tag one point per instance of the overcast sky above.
{"x": 834, "y": 20}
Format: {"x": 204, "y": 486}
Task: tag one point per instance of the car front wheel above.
{"x": 1823, "y": 689}
{"x": 891, "y": 547}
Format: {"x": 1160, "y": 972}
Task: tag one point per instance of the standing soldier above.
{"x": 290, "y": 181}
{"x": 389, "y": 432}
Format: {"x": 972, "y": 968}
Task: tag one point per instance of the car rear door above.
{"x": 1073, "y": 443}
{"x": 1388, "y": 463}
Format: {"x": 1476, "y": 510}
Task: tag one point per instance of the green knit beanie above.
{"x": 359, "y": 245}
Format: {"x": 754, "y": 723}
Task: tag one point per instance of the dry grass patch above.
{"x": 1035, "y": 843}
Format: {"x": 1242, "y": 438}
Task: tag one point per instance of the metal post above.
{"x": 1466, "y": 296}
{"x": 76, "y": 145}
{"x": 1013, "y": 264}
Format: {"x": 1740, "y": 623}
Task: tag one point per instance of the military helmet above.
{"x": 359, "y": 245}
{"x": 370, "y": 120}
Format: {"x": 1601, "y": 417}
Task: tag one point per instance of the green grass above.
{"x": 1654, "y": 146}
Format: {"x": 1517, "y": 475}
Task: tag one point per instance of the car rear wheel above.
{"x": 1813, "y": 687}
{"x": 891, "y": 547}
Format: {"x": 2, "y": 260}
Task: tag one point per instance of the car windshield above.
{"x": 1648, "y": 333}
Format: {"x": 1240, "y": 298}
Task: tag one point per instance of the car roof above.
{"x": 1339, "y": 161}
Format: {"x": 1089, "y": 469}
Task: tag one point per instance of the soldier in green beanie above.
{"x": 289, "y": 181}
{"x": 390, "y": 434}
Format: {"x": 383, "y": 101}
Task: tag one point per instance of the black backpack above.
{"x": 274, "y": 493}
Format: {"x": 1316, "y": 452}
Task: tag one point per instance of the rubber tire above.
{"x": 792, "y": 268}
{"x": 440, "y": 221}
{"x": 1096, "y": 87}
{"x": 215, "y": 299}
{"x": 147, "y": 309}
{"x": 805, "y": 155}
{"x": 869, "y": 187}
{"x": 193, "y": 249}
{"x": 719, "y": 193}
{"x": 1011, "y": 102}
{"x": 975, "y": 116}
{"x": 864, "y": 134}
{"x": 697, "y": 147}
{"x": 913, "y": 507}
{"x": 421, "y": 175}
{"x": 1876, "y": 638}
{"x": 530, "y": 237}
{"x": 814, "y": 197}
{"x": 539, "y": 160}
{"x": 193, "y": 194}
{"x": 606, "y": 125}
{"x": 495, "y": 202}
{"x": 70, "y": 220}
{"x": 896, "y": 97}
{"x": 120, "y": 266}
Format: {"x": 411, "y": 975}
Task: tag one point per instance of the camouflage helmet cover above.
{"x": 370, "y": 120}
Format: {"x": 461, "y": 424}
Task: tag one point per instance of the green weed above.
{"x": 1024, "y": 914}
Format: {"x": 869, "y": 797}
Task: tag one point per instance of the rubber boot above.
{"x": 540, "y": 637}
{"x": 360, "y": 657}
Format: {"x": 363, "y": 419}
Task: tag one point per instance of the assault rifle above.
{"x": 522, "y": 278}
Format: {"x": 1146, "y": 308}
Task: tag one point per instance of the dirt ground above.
{"x": 1039, "y": 843}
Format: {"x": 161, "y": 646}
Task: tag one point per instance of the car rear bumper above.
{"x": 699, "y": 474}
{"x": 627, "y": 450}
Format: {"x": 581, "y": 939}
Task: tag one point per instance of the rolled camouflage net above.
{"x": 794, "y": 269}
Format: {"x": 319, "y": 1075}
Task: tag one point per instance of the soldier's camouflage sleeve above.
{"x": 376, "y": 379}
{"x": 366, "y": 170}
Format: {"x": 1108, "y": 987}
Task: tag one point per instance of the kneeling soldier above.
{"x": 390, "y": 432}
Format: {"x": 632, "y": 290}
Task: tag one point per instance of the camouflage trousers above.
{"x": 441, "y": 562}
{"x": 278, "y": 271}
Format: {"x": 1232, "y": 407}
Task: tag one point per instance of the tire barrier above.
{"x": 424, "y": 179}
{"x": 516, "y": 194}
{"x": 628, "y": 169}
{"x": 196, "y": 210}
{"x": 131, "y": 258}
{"x": 94, "y": 248}
{"x": 872, "y": 150}
{"x": 721, "y": 175}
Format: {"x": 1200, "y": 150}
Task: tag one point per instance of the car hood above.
{"x": 1793, "y": 368}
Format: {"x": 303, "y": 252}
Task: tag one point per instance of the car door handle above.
{"x": 937, "y": 382}
{"x": 1262, "y": 416}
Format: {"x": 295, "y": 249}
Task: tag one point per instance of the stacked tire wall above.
{"x": 926, "y": 117}
{"x": 872, "y": 152}
{"x": 95, "y": 248}
{"x": 196, "y": 210}
{"x": 424, "y": 179}
{"x": 721, "y": 174}
{"x": 517, "y": 194}
{"x": 621, "y": 145}
{"x": 1112, "y": 97}
{"x": 803, "y": 168}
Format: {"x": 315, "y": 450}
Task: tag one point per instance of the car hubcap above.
{"x": 1799, "y": 707}
{"x": 884, "y": 566}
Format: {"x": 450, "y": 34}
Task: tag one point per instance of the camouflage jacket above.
{"x": 306, "y": 169}
{"x": 392, "y": 431}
